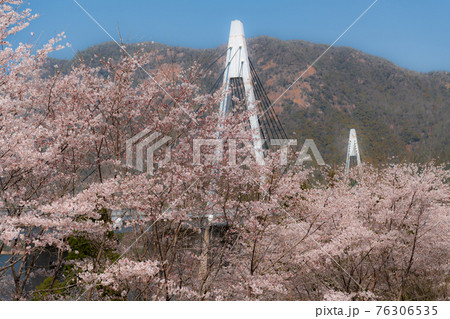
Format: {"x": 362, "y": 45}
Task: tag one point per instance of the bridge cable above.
{"x": 265, "y": 103}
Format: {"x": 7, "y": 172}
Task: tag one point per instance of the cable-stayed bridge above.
{"x": 240, "y": 81}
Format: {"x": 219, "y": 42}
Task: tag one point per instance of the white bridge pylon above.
{"x": 352, "y": 150}
{"x": 237, "y": 66}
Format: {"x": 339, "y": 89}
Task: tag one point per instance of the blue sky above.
{"x": 411, "y": 33}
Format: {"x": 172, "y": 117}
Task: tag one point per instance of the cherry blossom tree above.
{"x": 379, "y": 231}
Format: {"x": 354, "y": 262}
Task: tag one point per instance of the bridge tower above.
{"x": 352, "y": 150}
{"x": 241, "y": 80}
{"x": 238, "y": 74}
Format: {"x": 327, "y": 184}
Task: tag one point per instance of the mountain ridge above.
{"x": 397, "y": 112}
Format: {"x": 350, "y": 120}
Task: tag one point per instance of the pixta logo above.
{"x": 141, "y": 148}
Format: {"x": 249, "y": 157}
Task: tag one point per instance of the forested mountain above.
{"x": 396, "y": 112}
